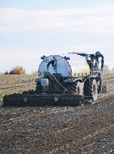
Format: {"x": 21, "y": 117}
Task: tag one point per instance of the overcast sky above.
{"x": 32, "y": 28}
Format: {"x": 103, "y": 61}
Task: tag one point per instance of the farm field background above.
{"x": 10, "y": 84}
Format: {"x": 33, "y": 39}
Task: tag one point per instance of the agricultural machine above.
{"x": 57, "y": 86}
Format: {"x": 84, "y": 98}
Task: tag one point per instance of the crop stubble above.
{"x": 84, "y": 129}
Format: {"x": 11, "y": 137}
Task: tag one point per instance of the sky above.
{"x": 32, "y": 28}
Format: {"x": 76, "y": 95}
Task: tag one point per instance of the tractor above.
{"x": 56, "y": 84}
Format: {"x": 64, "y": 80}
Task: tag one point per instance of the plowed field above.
{"x": 38, "y": 130}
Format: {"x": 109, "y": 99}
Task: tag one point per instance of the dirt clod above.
{"x": 49, "y": 130}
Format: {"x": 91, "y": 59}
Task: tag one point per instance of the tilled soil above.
{"x": 38, "y": 130}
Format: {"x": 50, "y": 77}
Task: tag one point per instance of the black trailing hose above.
{"x": 56, "y": 84}
{"x": 97, "y": 56}
{"x": 51, "y": 62}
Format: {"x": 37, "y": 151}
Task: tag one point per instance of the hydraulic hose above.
{"x": 57, "y": 85}
{"x": 51, "y": 62}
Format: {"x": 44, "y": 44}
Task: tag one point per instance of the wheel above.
{"x": 38, "y": 87}
{"x": 71, "y": 87}
{"x": 99, "y": 86}
{"x": 90, "y": 89}
{"x": 79, "y": 88}
{"x": 75, "y": 87}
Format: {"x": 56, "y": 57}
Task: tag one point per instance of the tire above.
{"x": 79, "y": 88}
{"x": 90, "y": 89}
{"x": 75, "y": 87}
{"x": 71, "y": 87}
{"x": 99, "y": 85}
{"x": 38, "y": 87}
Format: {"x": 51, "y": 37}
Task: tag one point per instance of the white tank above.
{"x": 62, "y": 66}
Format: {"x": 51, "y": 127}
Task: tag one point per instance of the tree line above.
{"x": 107, "y": 70}
{"x": 21, "y": 70}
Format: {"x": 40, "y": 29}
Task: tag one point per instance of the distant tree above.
{"x": 112, "y": 70}
{"x": 106, "y": 69}
{"x": 6, "y": 73}
{"x": 16, "y": 70}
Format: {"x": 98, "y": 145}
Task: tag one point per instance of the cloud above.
{"x": 30, "y": 60}
{"x": 20, "y": 55}
{"x": 98, "y": 19}
{"x": 10, "y": 54}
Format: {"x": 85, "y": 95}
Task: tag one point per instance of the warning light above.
{"x": 91, "y": 71}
